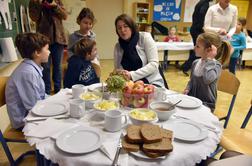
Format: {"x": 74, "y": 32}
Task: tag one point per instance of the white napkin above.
{"x": 111, "y": 148}
{"x": 50, "y": 128}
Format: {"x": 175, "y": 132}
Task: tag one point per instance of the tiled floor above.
{"x": 177, "y": 81}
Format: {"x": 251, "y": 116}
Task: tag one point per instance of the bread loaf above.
{"x": 133, "y": 134}
{"x": 151, "y": 133}
{"x": 129, "y": 147}
{"x": 164, "y": 146}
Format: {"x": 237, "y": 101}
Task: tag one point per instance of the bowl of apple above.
{"x": 137, "y": 95}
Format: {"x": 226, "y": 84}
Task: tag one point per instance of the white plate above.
{"x": 186, "y": 130}
{"x": 187, "y": 101}
{"x": 79, "y": 140}
{"x": 141, "y": 154}
{"x": 95, "y": 86}
{"x": 49, "y": 109}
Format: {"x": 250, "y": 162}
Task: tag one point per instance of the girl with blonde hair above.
{"x": 213, "y": 53}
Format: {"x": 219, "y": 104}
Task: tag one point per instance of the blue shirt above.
{"x": 79, "y": 71}
{"x": 24, "y": 88}
{"x": 239, "y": 43}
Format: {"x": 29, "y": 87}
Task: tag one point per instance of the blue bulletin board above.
{"x": 167, "y": 10}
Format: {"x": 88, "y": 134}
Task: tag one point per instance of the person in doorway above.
{"x": 25, "y": 85}
{"x": 198, "y": 19}
{"x": 48, "y": 15}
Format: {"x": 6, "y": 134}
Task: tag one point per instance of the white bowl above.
{"x": 161, "y": 108}
{"x": 101, "y": 111}
{"x": 106, "y": 105}
{"x": 89, "y": 102}
{"x": 139, "y": 116}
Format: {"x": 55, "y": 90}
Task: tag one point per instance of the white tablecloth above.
{"x": 177, "y": 46}
{"x": 183, "y": 154}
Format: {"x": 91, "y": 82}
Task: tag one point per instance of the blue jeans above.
{"x": 232, "y": 64}
{"x": 55, "y": 58}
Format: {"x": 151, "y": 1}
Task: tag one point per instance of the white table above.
{"x": 178, "y": 51}
{"x": 247, "y": 53}
{"x": 183, "y": 154}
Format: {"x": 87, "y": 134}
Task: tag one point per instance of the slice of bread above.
{"x": 164, "y": 146}
{"x": 129, "y": 147}
{"x": 154, "y": 155}
{"x": 151, "y": 133}
{"x": 133, "y": 134}
{"x": 166, "y": 133}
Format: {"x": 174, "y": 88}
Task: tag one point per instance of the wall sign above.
{"x": 167, "y": 10}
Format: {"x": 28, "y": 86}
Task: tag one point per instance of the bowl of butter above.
{"x": 139, "y": 116}
{"x": 91, "y": 98}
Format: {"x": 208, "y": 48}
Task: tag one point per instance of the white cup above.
{"x": 78, "y": 89}
{"x": 113, "y": 120}
{"x": 77, "y": 108}
{"x": 159, "y": 94}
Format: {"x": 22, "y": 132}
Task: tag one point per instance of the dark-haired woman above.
{"x": 136, "y": 53}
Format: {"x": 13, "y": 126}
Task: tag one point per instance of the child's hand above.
{"x": 186, "y": 91}
{"x": 211, "y": 52}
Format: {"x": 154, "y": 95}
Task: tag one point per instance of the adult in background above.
{"x": 48, "y": 15}
{"x": 221, "y": 18}
{"x": 136, "y": 53}
{"x": 198, "y": 19}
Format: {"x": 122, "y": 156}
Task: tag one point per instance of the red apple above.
{"x": 128, "y": 89}
{"x": 139, "y": 102}
{"x": 148, "y": 88}
{"x": 140, "y": 82}
{"x": 138, "y": 89}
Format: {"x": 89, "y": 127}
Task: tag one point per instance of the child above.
{"x": 25, "y": 85}
{"x": 172, "y": 37}
{"x": 238, "y": 42}
{"x": 80, "y": 69}
{"x": 205, "y": 71}
{"x": 86, "y": 19}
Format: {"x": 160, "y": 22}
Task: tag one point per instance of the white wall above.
{"x": 73, "y": 8}
{"x": 104, "y": 28}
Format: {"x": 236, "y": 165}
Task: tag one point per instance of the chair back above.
{"x": 228, "y": 83}
{"x": 3, "y": 81}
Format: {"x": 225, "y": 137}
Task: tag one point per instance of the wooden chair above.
{"x": 238, "y": 139}
{"x": 10, "y": 135}
{"x": 228, "y": 83}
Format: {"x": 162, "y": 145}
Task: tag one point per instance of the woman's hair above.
{"x": 28, "y": 43}
{"x": 223, "y": 47}
{"x": 85, "y": 12}
{"x": 84, "y": 47}
{"x": 128, "y": 21}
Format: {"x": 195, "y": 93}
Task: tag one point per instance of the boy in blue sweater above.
{"x": 238, "y": 42}
{"x": 80, "y": 69}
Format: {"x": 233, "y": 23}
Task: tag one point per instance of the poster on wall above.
{"x": 189, "y": 9}
{"x": 167, "y": 10}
